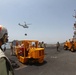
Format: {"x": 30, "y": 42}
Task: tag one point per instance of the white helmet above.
{"x": 3, "y": 31}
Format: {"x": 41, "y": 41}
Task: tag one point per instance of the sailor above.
{"x": 58, "y": 45}
{"x": 5, "y": 64}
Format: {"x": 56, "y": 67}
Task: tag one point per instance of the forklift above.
{"x": 29, "y": 52}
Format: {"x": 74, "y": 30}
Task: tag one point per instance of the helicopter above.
{"x": 25, "y": 25}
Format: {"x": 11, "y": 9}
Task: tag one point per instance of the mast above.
{"x": 74, "y": 37}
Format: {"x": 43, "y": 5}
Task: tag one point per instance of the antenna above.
{"x": 75, "y": 13}
{"x": 75, "y": 16}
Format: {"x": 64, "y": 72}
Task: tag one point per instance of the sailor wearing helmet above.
{"x": 5, "y": 64}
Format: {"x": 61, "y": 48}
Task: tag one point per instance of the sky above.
{"x": 51, "y": 20}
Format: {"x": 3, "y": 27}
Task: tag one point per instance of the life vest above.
{"x": 2, "y": 55}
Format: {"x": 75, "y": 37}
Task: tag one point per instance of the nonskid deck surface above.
{"x": 15, "y": 62}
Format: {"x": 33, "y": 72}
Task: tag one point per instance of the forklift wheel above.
{"x": 72, "y": 50}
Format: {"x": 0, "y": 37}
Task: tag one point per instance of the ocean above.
{"x": 7, "y": 45}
